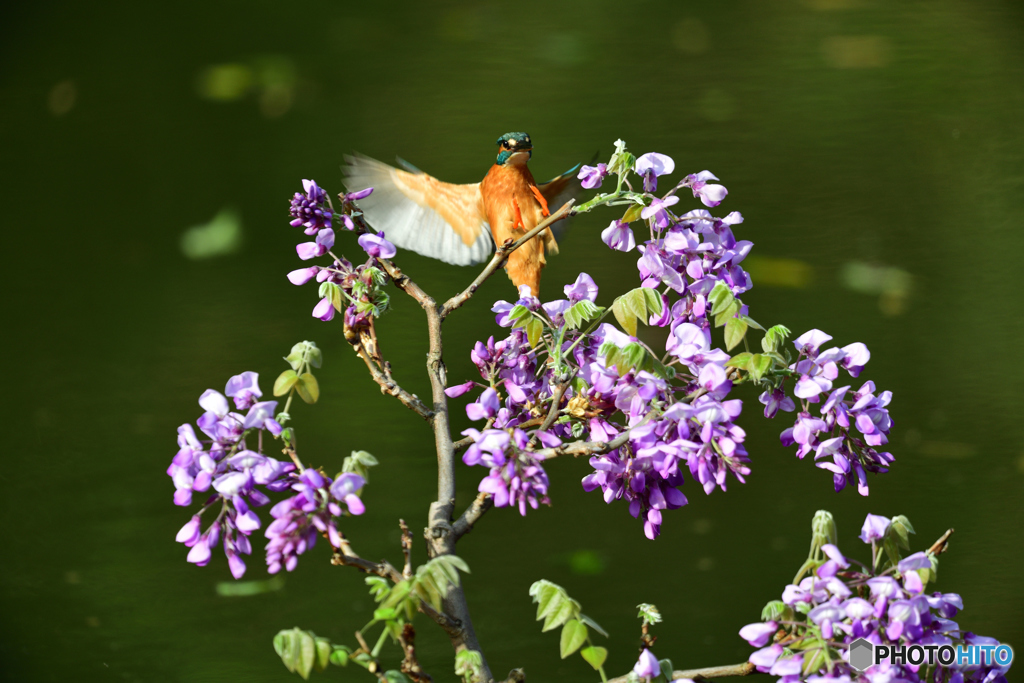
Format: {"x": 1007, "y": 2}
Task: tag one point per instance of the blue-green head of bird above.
{"x": 515, "y": 148}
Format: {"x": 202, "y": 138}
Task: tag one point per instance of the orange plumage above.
{"x": 462, "y": 224}
{"x": 512, "y": 210}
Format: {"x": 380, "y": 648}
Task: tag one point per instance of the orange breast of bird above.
{"x": 514, "y": 206}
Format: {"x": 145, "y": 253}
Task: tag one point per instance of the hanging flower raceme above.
{"x": 808, "y": 634}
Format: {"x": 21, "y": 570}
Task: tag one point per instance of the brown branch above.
{"x": 499, "y": 258}
{"x": 578, "y": 448}
{"x": 440, "y": 540}
{"x": 942, "y": 545}
{"x": 464, "y": 524}
{"x": 389, "y": 387}
{"x": 406, "y": 549}
{"x": 410, "y": 664}
{"x": 707, "y": 673}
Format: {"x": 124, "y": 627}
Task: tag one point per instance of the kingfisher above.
{"x": 461, "y": 224}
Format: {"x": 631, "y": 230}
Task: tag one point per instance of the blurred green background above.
{"x": 875, "y": 148}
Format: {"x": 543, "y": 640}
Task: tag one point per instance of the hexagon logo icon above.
{"x": 862, "y": 654}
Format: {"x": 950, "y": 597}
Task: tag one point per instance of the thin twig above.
{"x": 464, "y": 524}
{"x": 389, "y": 386}
{"x": 707, "y": 673}
{"x": 499, "y": 258}
{"x": 578, "y": 448}
{"x": 410, "y": 664}
{"x": 942, "y": 545}
{"x": 406, "y": 549}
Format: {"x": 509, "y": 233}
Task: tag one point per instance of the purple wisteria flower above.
{"x": 652, "y": 165}
{"x": 323, "y": 243}
{"x": 709, "y": 194}
{"x": 591, "y": 176}
{"x": 618, "y": 236}
{"x": 377, "y": 246}
{"x": 237, "y": 479}
{"x": 658, "y": 211}
{"x": 310, "y": 209}
{"x": 647, "y": 666}
{"x": 852, "y": 424}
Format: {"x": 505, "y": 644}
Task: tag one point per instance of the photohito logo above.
{"x": 864, "y": 654}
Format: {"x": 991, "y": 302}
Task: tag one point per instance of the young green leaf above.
{"x": 593, "y": 624}
{"x": 741, "y": 361}
{"x": 759, "y": 365}
{"x": 284, "y": 382}
{"x": 595, "y": 656}
{"x": 726, "y": 312}
{"x": 339, "y": 655}
{"x": 534, "y": 330}
{"x": 567, "y": 609}
{"x": 308, "y": 388}
{"x": 323, "y": 653}
{"x": 574, "y": 634}
{"x": 735, "y": 330}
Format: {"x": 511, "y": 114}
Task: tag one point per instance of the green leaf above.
{"x": 339, "y": 655}
{"x": 282, "y": 646}
{"x": 393, "y": 676}
{"x": 774, "y": 338}
{"x": 469, "y": 665}
{"x": 297, "y": 650}
{"x": 634, "y": 304}
{"x": 595, "y": 656}
{"x": 593, "y": 624}
{"x": 741, "y": 361}
{"x": 735, "y": 330}
{"x": 751, "y": 322}
{"x": 308, "y": 388}
{"x": 574, "y": 634}
{"x": 723, "y": 314}
{"x": 323, "y": 653}
{"x": 294, "y": 359}
{"x": 666, "y": 668}
{"x": 891, "y": 549}
{"x": 316, "y": 356}
{"x": 632, "y": 213}
{"x": 580, "y": 312}
{"x": 759, "y": 366}
{"x": 625, "y": 318}
{"x": 284, "y": 382}
{"x": 720, "y": 295}
{"x": 649, "y": 613}
{"x": 901, "y": 528}
{"x": 385, "y": 614}
{"x": 654, "y": 302}
{"x": 379, "y": 587}
{"x": 776, "y": 610}
{"x": 534, "y": 330}
{"x": 543, "y": 593}
{"x": 518, "y": 311}
{"x": 567, "y": 610}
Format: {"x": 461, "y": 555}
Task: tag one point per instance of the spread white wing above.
{"x": 420, "y": 213}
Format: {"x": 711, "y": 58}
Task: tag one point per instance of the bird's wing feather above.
{"x": 557, "y": 192}
{"x": 420, "y": 213}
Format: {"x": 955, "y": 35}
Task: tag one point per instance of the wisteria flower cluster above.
{"x": 836, "y": 447}
{"x": 242, "y": 479}
{"x": 673, "y": 407}
{"x": 806, "y": 635}
{"x": 356, "y": 290}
